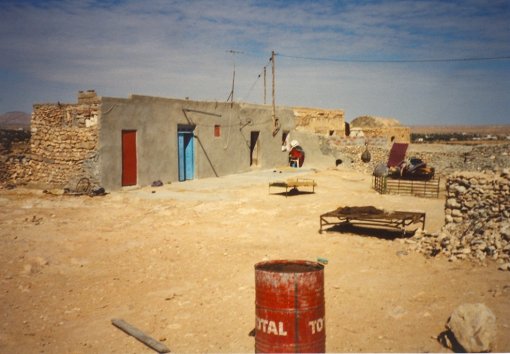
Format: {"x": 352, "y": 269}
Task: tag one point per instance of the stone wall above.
{"x": 64, "y": 143}
{"x": 320, "y": 121}
{"x": 14, "y": 150}
{"x": 391, "y": 134}
{"x": 361, "y": 141}
{"x": 346, "y": 152}
{"x": 477, "y": 219}
{"x": 475, "y": 196}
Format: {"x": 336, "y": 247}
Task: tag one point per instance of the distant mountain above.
{"x": 15, "y": 120}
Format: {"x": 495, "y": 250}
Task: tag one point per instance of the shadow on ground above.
{"x": 382, "y": 233}
{"x": 292, "y": 193}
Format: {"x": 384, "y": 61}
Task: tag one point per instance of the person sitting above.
{"x": 296, "y": 154}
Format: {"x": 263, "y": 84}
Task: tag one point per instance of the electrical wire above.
{"x": 389, "y": 61}
{"x": 245, "y": 97}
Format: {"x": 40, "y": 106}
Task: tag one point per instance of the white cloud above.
{"x": 179, "y": 48}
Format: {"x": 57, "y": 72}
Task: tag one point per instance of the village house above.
{"x": 118, "y": 142}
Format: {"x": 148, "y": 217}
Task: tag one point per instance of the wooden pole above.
{"x": 273, "y": 89}
{"x": 276, "y": 124}
{"x": 142, "y": 337}
{"x": 264, "y": 85}
{"x": 233, "y": 81}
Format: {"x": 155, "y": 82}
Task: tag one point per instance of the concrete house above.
{"x": 117, "y": 142}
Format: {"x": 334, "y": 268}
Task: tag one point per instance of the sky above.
{"x": 421, "y": 62}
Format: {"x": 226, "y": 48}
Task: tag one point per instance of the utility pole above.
{"x": 264, "y": 85}
{"x": 233, "y": 81}
{"x": 276, "y": 125}
{"x": 272, "y": 91}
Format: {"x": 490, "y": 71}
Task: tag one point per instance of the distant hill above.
{"x": 14, "y": 120}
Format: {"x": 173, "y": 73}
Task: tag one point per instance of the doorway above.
{"x": 129, "y": 163}
{"x": 254, "y": 148}
{"x": 186, "y": 153}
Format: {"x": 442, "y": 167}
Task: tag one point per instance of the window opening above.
{"x": 254, "y": 148}
{"x": 285, "y": 134}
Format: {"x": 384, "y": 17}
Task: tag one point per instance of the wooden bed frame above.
{"x": 373, "y": 217}
{"x": 291, "y": 184}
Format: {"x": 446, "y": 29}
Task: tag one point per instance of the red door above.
{"x": 129, "y": 170}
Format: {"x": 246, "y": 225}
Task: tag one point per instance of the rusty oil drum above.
{"x": 289, "y": 314}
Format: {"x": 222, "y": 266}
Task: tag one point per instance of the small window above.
{"x": 217, "y": 131}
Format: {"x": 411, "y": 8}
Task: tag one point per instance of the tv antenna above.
{"x": 231, "y": 96}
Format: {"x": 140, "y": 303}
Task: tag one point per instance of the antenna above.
{"x": 231, "y": 95}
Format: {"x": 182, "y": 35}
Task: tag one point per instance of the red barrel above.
{"x": 289, "y": 299}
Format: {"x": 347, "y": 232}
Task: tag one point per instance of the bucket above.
{"x": 289, "y": 307}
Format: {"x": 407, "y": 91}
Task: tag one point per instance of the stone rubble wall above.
{"x": 379, "y": 141}
{"x": 477, "y": 221}
{"x": 475, "y": 196}
{"x": 320, "y": 121}
{"x": 348, "y": 152}
{"x": 64, "y": 144}
{"x": 14, "y": 149}
{"x": 392, "y": 134}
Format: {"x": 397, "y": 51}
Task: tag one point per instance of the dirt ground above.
{"x": 178, "y": 263}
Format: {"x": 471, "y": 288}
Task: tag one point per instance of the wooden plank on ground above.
{"x": 142, "y": 337}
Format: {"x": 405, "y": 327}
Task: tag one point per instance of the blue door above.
{"x": 186, "y": 155}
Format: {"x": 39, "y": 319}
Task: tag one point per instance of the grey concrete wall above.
{"x": 156, "y": 121}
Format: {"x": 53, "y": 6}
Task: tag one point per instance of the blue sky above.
{"x": 330, "y": 54}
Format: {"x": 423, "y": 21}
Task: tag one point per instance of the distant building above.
{"x": 356, "y": 132}
{"x": 377, "y": 128}
{"x": 319, "y": 121}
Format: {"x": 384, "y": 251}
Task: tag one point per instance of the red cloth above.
{"x": 297, "y": 153}
{"x": 397, "y": 154}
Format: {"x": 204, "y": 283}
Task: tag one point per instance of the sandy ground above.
{"x": 178, "y": 262}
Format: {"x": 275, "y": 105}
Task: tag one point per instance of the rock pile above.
{"x": 477, "y": 221}
{"x": 491, "y": 157}
{"x": 487, "y": 157}
{"x": 480, "y": 158}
